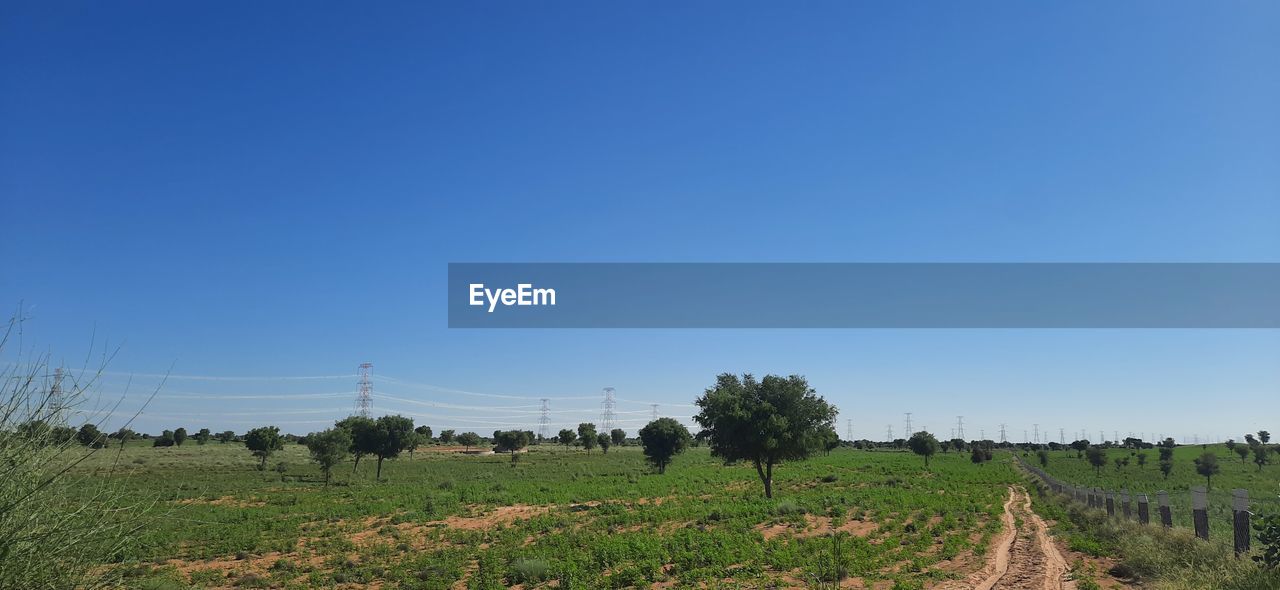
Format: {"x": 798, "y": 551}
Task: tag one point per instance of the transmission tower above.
{"x": 889, "y": 434}
{"x": 365, "y": 397}
{"x": 606, "y": 413}
{"x": 1036, "y": 429}
{"x": 55, "y": 392}
{"x": 848, "y": 430}
{"x": 1003, "y": 438}
{"x": 960, "y": 427}
{"x": 545, "y": 419}
{"x": 654, "y": 414}
{"x": 909, "y": 431}
{"x": 982, "y": 434}
{"x": 1062, "y": 436}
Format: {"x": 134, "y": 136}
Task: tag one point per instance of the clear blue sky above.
{"x": 254, "y": 189}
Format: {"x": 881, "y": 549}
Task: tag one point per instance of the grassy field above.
{"x": 557, "y": 518}
{"x": 1263, "y": 485}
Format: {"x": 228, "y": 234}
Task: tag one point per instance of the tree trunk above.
{"x": 357, "y": 467}
{"x": 378, "y": 477}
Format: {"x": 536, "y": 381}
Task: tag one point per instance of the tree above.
{"x": 619, "y": 436}
{"x": 1243, "y": 452}
{"x": 468, "y": 440}
{"x": 392, "y": 435}
{"x": 830, "y": 440}
{"x": 1166, "y": 467}
{"x": 945, "y": 445}
{"x": 90, "y": 436}
{"x": 1166, "y": 449}
{"x": 958, "y": 444}
{"x": 605, "y": 441}
{"x": 662, "y": 440}
{"x": 1260, "y": 456}
{"x": 203, "y": 436}
{"x": 363, "y": 436}
{"x": 329, "y": 448}
{"x": 979, "y": 454}
{"x": 511, "y": 441}
{"x": 1207, "y": 465}
{"x": 226, "y": 436}
{"x": 164, "y": 440}
{"x": 1043, "y": 455}
{"x": 566, "y": 437}
{"x": 1231, "y": 445}
{"x": 424, "y": 432}
{"x": 1142, "y": 460}
{"x": 1264, "y": 436}
{"x": 446, "y": 436}
{"x": 587, "y": 434}
{"x": 1080, "y": 446}
{"x": 124, "y": 435}
{"x": 1097, "y": 458}
{"x": 262, "y": 442}
{"x": 767, "y": 422}
{"x": 179, "y": 436}
{"x": 924, "y": 444}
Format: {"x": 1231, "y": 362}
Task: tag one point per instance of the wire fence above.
{"x": 1222, "y": 513}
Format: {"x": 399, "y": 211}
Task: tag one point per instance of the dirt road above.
{"x": 1024, "y": 558}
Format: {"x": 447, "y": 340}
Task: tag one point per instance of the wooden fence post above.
{"x": 1126, "y": 505}
{"x": 1111, "y": 504}
{"x": 1166, "y": 515}
{"x": 1144, "y": 509}
{"x": 1200, "y": 511}
{"x": 1240, "y": 512}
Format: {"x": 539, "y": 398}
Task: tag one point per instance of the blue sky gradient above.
{"x": 259, "y": 190}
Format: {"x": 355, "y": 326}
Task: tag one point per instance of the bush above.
{"x": 528, "y": 571}
{"x": 788, "y": 507}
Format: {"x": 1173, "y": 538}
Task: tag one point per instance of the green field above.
{"x": 557, "y": 518}
{"x": 1263, "y": 485}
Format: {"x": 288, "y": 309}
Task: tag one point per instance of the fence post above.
{"x": 1126, "y": 505}
{"x": 1240, "y": 512}
{"x": 1166, "y": 515}
{"x": 1200, "y": 511}
{"x": 1111, "y": 503}
{"x": 1144, "y": 509}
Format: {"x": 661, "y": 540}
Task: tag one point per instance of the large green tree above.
{"x": 924, "y": 444}
{"x": 662, "y": 440}
{"x": 392, "y": 436}
{"x": 766, "y": 422}
{"x": 566, "y": 437}
{"x": 511, "y": 441}
{"x": 329, "y": 448}
{"x": 262, "y": 442}
{"x": 468, "y": 440}
{"x": 587, "y": 434}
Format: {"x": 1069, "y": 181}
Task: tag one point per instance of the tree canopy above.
{"x": 262, "y": 442}
{"x": 662, "y": 440}
{"x": 766, "y": 422}
{"x": 329, "y": 448}
{"x": 924, "y": 444}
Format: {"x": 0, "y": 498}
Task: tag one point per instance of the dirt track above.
{"x": 1025, "y": 558}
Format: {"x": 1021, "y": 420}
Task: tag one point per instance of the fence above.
{"x": 1101, "y": 499}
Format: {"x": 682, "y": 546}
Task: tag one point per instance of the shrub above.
{"x": 527, "y": 571}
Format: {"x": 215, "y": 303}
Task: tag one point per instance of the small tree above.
{"x": 1043, "y": 455}
{"x": 1207, "y": 465}
{"x": 511, "y": 441}
{"x": 1231, "y": 445}
{"x": 924, "y": 444}
{"x": 1243, "y": 452}
{"x": 203, "y": 436}
{"x": 605, "y": 442}
{"x": 1165, "y": 468}
{"x": 446, "y": 436}
{"x": 662, "y": 440}
{"x": 830, "y": 441}
{"x": 363, "y": 436}
{"x": 164, "y": 440}
{"x": 1080, "y": 446}
{"x": 179, "y": 436}
{"x": 262, "y": 442}
{"x": 767, "y": 422}
{"x": 619, "y": 436}
{"x": 329, "y": 448}
{"x": 226, "y": 436}
{"x": 124, "y": 435}
{"x": 424, "y": 434}
{"x": 1097, "y": 458}
{"x": 1260, "y": 456}
{"x": 566, "y": 437}
{"x": 468, "y": 440}
{"x": 393, "y": 435}
{"x": 979, "y": 455}
{"x": 90, "y": 436}
{"x": 1264, "y": 436}
{"x": 1142, "y": 460}
{"x": 587, "y": 434}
